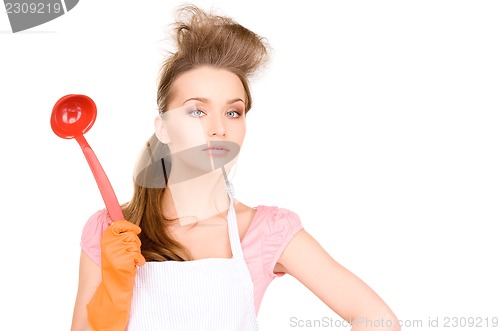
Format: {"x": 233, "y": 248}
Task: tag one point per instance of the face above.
{"x": 204, "y": 125}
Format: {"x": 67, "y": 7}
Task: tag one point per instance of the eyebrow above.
{"x": 205, "y": 100}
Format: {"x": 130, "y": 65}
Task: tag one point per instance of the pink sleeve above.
{"x": 91, "y": 235}
{"x": 281, "y": 228}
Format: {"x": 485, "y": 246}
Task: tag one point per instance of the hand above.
{"x": 109, "y": 308}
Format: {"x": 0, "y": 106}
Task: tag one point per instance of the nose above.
{"x": 217, "y": 127}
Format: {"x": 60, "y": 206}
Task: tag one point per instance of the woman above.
{"x": 189, "y": 256}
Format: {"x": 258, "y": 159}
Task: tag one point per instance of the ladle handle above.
{"x": 107, "y": 192}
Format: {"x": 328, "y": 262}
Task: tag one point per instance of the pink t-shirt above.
{"x": 269, "y": 233}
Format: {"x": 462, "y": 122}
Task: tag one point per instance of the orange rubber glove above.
{"x": 109, "y": 308}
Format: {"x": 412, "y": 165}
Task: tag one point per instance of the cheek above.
{"x": 239, "y": 130}
{"x": 243, "y": 133}
{"x": 186, "y": 135}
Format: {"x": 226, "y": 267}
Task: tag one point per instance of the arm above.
{"x": 105, "y": 293}
{"x": 337, "y": 287}
{"x": 89, "y": 280}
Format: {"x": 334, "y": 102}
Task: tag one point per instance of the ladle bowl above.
{"x": 72, "y": 116}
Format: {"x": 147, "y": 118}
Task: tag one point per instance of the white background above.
{"x": 377, "y": 122}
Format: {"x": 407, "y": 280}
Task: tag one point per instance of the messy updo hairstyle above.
{"x": 203, "y": 39}
{"x": 215, "y": 41}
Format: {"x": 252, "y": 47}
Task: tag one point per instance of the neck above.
{"x": 198, "y": 198}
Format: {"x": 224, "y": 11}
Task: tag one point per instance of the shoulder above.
{"x": 97, "y": 222}
{"x": 92, "y": 233}
{"x": 270, "y": 232}
{"x": 276, "y": 220}
{"x": 267, "y": 220}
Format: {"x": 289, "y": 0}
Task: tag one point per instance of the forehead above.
{"x": 215, "y": 85}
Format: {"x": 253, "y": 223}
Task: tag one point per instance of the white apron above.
{"x": 208, "y": 294}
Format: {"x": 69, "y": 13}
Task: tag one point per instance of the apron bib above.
{"x": 207, "y": 294}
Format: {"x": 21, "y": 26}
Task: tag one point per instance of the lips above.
{"x": 220, "y": 152}
{"x": 216, "y": 148}
{"x": 217, "y": 145}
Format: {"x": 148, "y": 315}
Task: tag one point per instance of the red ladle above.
{"x": 72, "y": 116}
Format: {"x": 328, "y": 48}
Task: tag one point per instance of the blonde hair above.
{"x": 203, "y": 39}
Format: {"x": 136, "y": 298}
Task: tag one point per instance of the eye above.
{"x": 233, "y": 114}
{"x": 196, "y": 113}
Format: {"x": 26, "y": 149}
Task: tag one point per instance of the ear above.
{"x": 161, "y": 130}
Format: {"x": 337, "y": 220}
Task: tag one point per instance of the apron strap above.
{"x": 232, "y": 224}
